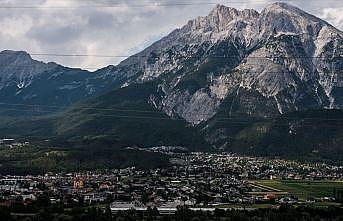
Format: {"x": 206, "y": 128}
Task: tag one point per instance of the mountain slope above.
{"x": 217, "y": 82}
{"x": 123, "y": 117}
{"x": 31, "y": 87}
{"x": 284, "y": 56}
{"x": 231, "y": 70}
{"x": 289, "y": 58}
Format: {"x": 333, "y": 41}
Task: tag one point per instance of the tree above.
{"x": 145, "y": 197}
{"x": 5, "y": 214}
{"x": 43, "y": 201}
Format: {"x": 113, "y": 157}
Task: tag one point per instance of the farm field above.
{"x": 301, "y": 188}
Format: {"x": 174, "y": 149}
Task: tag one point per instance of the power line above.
{"x": 145, "y": 68}
{"x": 107, "y": 6}
{"x": 147, "y": 111}
{"x": 153, "y": 1}
{"x": 121, "y": 4}
{"x": 236, "y": 121}
{"x": 258, "y": 59}
{"x": 120, "y": 1}
{"x": 148, "y": 56}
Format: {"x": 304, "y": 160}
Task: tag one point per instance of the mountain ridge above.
{"x": 34, "y": 84}
{"x": 243, "y": 66}
{"x": 222, "y": 22}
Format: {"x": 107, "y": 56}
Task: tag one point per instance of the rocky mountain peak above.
{"x": 282, "y": 17}
{"x": 222, "y": 18}
{"x": 230, "y": 13}
{"x": 280, "y": 6}
{"x": 17, "y": 68}
{"x": 25, "y": 80}
{"x": 223, "y": 11}
{"x": 249, "y": 65}
{"x": 283, "y": 8}
{"x": 242, "y": 60}
{"x": 10, "y": 57}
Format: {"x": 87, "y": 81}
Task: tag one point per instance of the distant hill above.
{"x": 29, "y": 87}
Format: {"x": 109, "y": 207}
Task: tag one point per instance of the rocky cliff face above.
{"x": 230, "y": 80}
{"x": 282, "y": 59}
{"x": 244, "y": 62}
{"x": 19, "y": 69}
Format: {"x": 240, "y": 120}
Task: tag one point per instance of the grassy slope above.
{"x": 93, "y": 134}
{"x": 126, "y": 117}
{"x": 315, "y": 134}
{"x": 111, "y": 118}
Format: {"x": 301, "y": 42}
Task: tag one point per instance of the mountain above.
{"x": 282, "y": 57}
{"x": 31, "y": 87}
{"x": 235, "y": 80}
{"x": 277, "y": 61}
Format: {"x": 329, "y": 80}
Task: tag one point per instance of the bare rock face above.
{"x": 19, "y": 69}
{"x": 279, "y": 60}
{"x": 282, "y": 58}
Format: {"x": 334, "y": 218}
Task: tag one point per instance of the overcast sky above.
{"x": 128, "y": 26}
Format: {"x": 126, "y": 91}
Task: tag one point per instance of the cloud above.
{"x": 334, "y": 15}
{"x": 87, "y": 27}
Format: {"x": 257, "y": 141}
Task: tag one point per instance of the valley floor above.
{"x": 196, "y": 181}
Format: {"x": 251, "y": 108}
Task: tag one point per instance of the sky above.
{"x": 114, "y": 27}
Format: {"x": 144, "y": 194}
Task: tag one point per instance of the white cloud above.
{"x": 121, "y": 30}
{"x": 334, "y": 16}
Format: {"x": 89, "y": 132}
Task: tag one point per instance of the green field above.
{"x": 303, "y": 189}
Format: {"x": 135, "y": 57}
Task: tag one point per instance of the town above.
{"x": 197, "y": 180}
